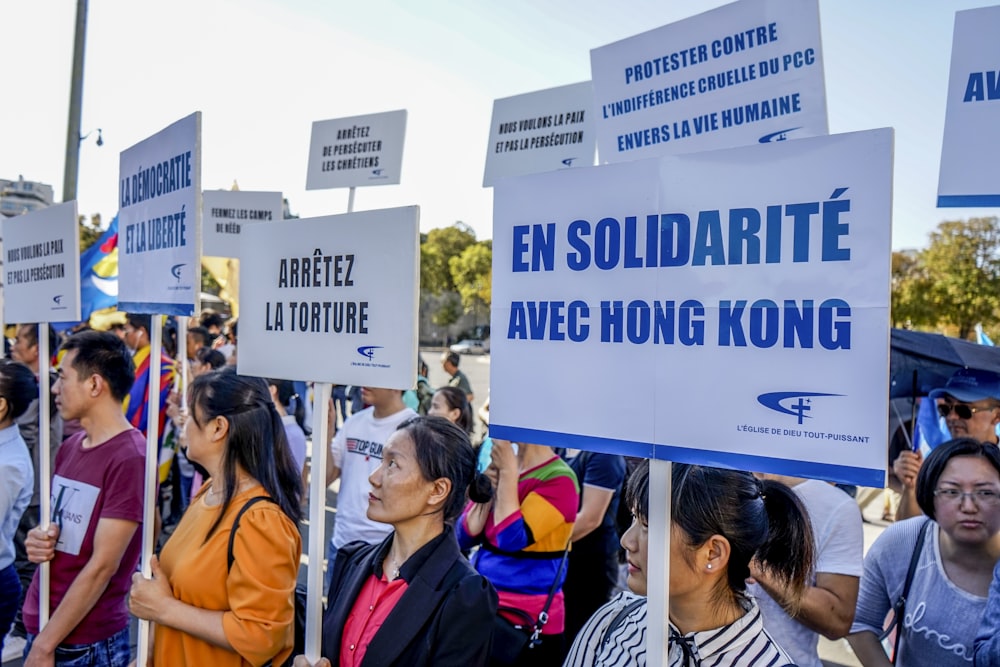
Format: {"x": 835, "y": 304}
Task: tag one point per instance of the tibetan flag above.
{"x": 99, "y": 273}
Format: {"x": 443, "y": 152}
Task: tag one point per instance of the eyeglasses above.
{"x": 962, "y": 410}
{"x": 981, "y": 497}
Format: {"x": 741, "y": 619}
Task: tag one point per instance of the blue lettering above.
{"x": 800, "y": 231}
{"x": 675, "y": 244}
{"x": 708, "y": 239}
{"x": 798, "y": 323}
{"x": 579, "y": 260}
{"x": 834, "y": 334}
{"x": 731, "y": 324}
{"x": 578, "y": 311}
{"x": 833, "y": 228}
{"x": 607, "y": 243}
{"x": 744, "y": 225}
{"x": 764, "y": 323}
{"x": 520, "y": 248}
{"x": 612, "y": 314}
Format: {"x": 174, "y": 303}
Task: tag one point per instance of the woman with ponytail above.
{"x": 413, "y": 600}
{"x": 721, "y": 521}
{"x": 223, "y": 594}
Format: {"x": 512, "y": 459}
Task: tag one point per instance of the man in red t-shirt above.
{"x": 94, "y": 541}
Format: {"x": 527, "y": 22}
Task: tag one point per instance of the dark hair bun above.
{"x": 481, "y": 489}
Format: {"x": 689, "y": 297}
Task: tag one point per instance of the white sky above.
{"x": 262, "y": 70}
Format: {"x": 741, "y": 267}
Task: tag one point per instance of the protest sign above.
{"x": 334, "y": 302}
{"x": 744, "y": 73}
{"x": 41, "y": 254}
{"x": 360, "y": 150}
{"x": 970, "y": 174}
{"x": 727, "y": 308}
{"x": 541, "y": 131}
{"x": 226, "y": 212}
{"x": 159, "y": 221}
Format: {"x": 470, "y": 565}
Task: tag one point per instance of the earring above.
{"x": 709, "y": 566}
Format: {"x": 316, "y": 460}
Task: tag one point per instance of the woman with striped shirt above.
{"x": 722, "y": 519}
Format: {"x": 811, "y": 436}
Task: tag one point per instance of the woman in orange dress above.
{"x": 206, "y": 610}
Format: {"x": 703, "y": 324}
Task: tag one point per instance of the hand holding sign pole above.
{"x": 42, "y": 284}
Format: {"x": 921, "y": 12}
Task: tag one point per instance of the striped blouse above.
{"x": 743, "y": 643}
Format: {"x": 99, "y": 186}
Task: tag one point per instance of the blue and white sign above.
{"x": 745, "y": 73}
{"x": 359, "y": 150}
{"x": 541, "y": 131}
{"x": 159, "y": 221}
{"x": 970, "y": 174}
{"x": 334, "y": 302}
{"x": 728, "y": 308}
{"x": 226, "y": 212}
{"x": 41, "y": 265}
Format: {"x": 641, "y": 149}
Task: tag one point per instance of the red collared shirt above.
{"x": 377, "y": 598}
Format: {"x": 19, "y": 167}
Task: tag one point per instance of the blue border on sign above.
{"x": 811, "y": 469}
{"x": 967, "y": 201}
{"x": 152, "y": 308}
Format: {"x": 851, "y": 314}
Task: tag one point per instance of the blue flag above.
{"x": 99, "y": 273}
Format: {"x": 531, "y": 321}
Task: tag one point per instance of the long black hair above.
{"x": 457, "y": 400}
{"x": 18, "y": 385}
{"x": 256, "y": 440}
{"x": 286, "y": 392}
{"x": 762, "y": 520}
{"x": 444, "y": 450}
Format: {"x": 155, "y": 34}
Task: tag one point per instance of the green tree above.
{"x": 471, "y": 272}
{"x": 911, "y": 287}
{"x": 435, "y": 253}
{"x": 90, "y": 230}
{"x": 448, "y": 313}
{"x": 963, "y": 265}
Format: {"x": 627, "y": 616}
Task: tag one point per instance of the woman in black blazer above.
{"x": 413, "y": 599}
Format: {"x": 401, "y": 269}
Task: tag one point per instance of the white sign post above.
{"x": 42, "y": 284}
{"x": 159, "y": 267}
{"x": 747, "y": 72}
{"x": 740, "y": 297}
{"x": 700, "y": 281}
{"x": 335, "y": 302}
{"x": 360, "y": 150}
{"x": 970, "y": 174}
{"x": 541, "y": 131}
{"x": 338, "y": 299}
{"x": 226, "y": 212}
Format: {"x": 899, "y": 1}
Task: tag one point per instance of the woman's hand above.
{"x": 148, "y": 597}
{"x": 503, "y": 458}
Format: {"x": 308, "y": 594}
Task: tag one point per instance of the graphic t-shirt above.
{"x": 357, "y": 451}
{"x": 103, "y": 482}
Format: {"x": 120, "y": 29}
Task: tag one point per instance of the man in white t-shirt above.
{"x": 356, "y": 452}
{"x": 827, "y": 605}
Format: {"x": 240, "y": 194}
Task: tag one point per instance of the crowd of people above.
{"x": 449, "y": 548}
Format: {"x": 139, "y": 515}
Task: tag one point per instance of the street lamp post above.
{"x": 73, "y": 137}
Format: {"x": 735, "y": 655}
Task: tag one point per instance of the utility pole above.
{"x": 75, "y": 105}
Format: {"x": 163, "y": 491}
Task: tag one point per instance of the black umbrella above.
{"x": 920, "y": 362}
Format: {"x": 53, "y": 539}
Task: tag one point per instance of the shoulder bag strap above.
{"x": 619, "y": 618}
{"x": 901, "y": 604}
{"x": 543, "y": 617}
{"x": 236, "y": 523}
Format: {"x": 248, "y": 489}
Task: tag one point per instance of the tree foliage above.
{"x": 954, "y": 282}
{"x": 90, "y": 230}
{"x": 436, "y": 251}
{"x": 472, "y": 274}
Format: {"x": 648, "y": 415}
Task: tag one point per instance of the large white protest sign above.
{"x": 360, "y": 150}
{"x": 226, "y": 212}
{"x": 159, "y": 221}
{"x": 541, "y": 131}
{"x": 725, "y": 308}
{"x": 334, "y": 302}
{"x": 970, "y": 172}
{"x": 744, "y": 73}
{"x": 42, "y": 265}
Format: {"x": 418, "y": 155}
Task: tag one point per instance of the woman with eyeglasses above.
{"x": 958, "y": 488}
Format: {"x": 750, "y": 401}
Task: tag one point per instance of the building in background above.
{"x": 21, "y": 196}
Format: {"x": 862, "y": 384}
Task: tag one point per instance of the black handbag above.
{"x": 899, "y": 608}
{"x": 511, "y": 639}
{"x": 300, "y": 591}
